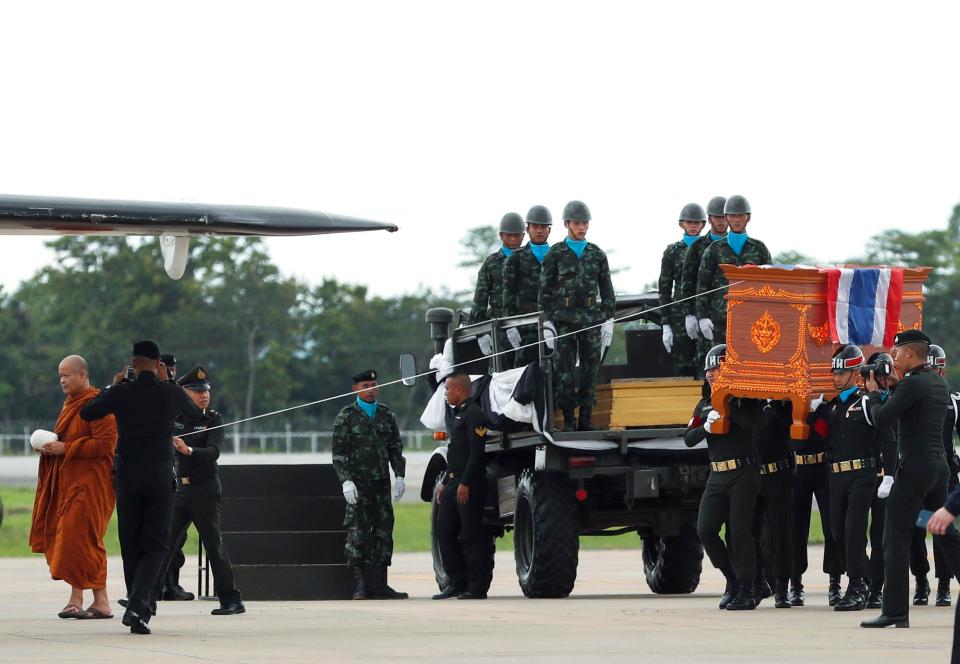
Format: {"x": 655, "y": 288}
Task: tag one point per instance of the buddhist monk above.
{"x": 75, "y": 496}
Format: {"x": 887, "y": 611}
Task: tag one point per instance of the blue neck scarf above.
{"x": 716, "y": 237}
{"x": 506, "y": 250}
{"x": 576, "y": 246}
{"x": 846, "y": 393}
{"x": 539, "y": 250}
{"x": 736, "y": 241}
{"x": 370, "y": 409}
{"x": 690, "y": 239}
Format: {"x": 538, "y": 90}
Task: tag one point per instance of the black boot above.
{"x": 175, "y": 593}
{"x": 921, "y": 594}
{"x": 780, "y": 599}
{"x": 585, "y": 423}
{"x": 875, "y": 596}
{"x": 855, "y": 597}
{"x": 380, "y": 589}
{"x": 569, "y": 421}
{"x": 797, "y": 596}
{"x": 729, "y": 592}
{"x": 943, "y": 592}
{"x": 762, "y": 588}
{"x": 360, "y": 592}
{"x": 833, "y": 590}
{"x": 744, "y": 601}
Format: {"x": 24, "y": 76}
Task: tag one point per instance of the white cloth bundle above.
{"x": 41, "y": 437}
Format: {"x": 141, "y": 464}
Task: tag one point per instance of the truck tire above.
{"x": 546, "y": 537}
{"x": 672, "y": 565}
{"x": 443, "y": 579}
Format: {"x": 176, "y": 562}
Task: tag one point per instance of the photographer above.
{"x": 919, "y": 402}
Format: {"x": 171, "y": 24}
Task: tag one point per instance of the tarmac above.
{"x": 610, "y": 617}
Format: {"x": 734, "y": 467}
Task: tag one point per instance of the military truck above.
{"x": 632, "y": 477}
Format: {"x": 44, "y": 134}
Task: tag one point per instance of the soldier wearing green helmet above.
{"x": 680, "y": 347}
{"x": 521, "y": 281}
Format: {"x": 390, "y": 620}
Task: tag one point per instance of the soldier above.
{"x": 680, "y": 347}
{"x": 488, "y": 296}
{"x": 521, "y": 281}
{"x": 366, "y": 442}
{"x": 690, "y": 271}
{"x": 574, "y": 273}
{"x": 736, "y": 249}
{"x": 730, "y": 496}
{"x": 918, "y": 402}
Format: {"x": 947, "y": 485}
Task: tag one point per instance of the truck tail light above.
{"x": 581, "y": 494}
{"x": 581, "y": 462}
{"x": 439, "y": 435}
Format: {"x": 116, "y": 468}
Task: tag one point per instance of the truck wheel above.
{"x": 672, "y": 565}
{"x": 546, "y": 538}
{"x": 443, "y": 579}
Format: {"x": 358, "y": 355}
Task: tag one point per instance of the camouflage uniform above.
{"x": 714, "y": 306}
{"x": 364, "y": 448}
{"x": 487, "y": 299}
{"x": 688, "y": 288}
{"x": 671, "y": 275}
{"x": 568, "y": 296}
{"x": 521, "y": 291}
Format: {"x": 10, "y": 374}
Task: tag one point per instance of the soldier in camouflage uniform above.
{"x": 736, "y": 249}
{"x": 488, "y": 295}
{"x": 679, "y": 346}
{"x": 688, "y": 278}
{"x": 366, "y": 442}
{"x": 521, "y": 281}
{"x": 574, "y": 273}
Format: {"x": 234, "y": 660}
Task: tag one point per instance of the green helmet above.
{"x": 736, "y": 205}
{"x": 692, "y": 212}
{"x": 715, "y": 206}
{"x": 511, "y": 223}
{"x": 714, "y": 357}
{"x": 576, "y": 211}
{"x": 538, "y": 214}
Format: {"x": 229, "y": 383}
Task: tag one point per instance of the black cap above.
{"x": 168, "y": 359}
{"x": 146, "y": 349}
{"x": 369, "y": 374}
{"x": 196, "y": 379}
{"x": 910, "y": 337}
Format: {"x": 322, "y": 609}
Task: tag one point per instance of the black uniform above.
{"x": 774, "y": 518}
{"x": 197, "y": 499}
{"x": 730, "y": 495}
{"x": 919, "y": 403}
{"x": 171, "y": 579}
{"x": 143, "y": 475}
{"x": 878, "y": 507}
{"x": 464, "y": 545}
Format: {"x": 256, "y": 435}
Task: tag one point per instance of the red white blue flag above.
{"x": 863, "y": 304}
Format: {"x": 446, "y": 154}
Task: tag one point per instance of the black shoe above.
{"x": 854, "y": 599}
{"x": 585, "y": 422}
{"x": 885, "y": 621}
{"x": 780, "y": 598}
{"x": 124, "y": 602}
{"x": 943, "y": 592}
{"x": 229, "y": 609}
{"x": 744, "y": 601}
{"x": 875, "y": 598}
{"x": 797, "y": 596}
{"x": 833, "y": 590}
{"x": 569, "y": 422}
{"x": 728, "y": 593}
{"x": 136, "y": 624}
{"x": 447, "y": 593}
{"x": 472, "y": 595}
{"x": 378, "y": 588}
{"x": 176, "y": 594}
{"x": 921, "y": 594}
{"x": 360, "y": 577}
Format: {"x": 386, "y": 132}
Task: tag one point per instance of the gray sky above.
{"x": 836, "y": 120}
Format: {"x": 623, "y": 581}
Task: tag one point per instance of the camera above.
{"x": 881, "y": 367}
{"x": 130, "y": 375}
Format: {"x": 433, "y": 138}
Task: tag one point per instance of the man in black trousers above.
{"x": 919, "y": 401}
{"x": 939, "y": 525}
{"x": 145, "y": 409}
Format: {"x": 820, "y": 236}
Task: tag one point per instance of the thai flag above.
{"x": 863, "y": 304}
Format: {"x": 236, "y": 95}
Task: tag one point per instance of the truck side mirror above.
{"x": 408, "y": 369}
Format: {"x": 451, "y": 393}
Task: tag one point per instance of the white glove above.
{"x": 42, "y": 437}
{"x": 668, "y": 338}
{"x": 885, "y": 485}
{"x": 693, "y": 329}
{"x": 513, "y": 336}
{"x": 350, "y": 492}
{"x": 486, "y": 344}
{"x": 398, "y": 488}
{"x": 712, "y": 417}
{"x": 550, "y": 334}
{"x": 816, "y": 403}
{"x": 706, "y": 328}
{"x": 606, "y": 333}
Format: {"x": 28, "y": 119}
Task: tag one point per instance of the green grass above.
{"x": 411, "y": 532}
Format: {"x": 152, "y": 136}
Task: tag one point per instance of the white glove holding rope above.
{"x": 513, "y": 336}
{"x": 885, "y": 485}
{"x": 550, "y": 334}
{"x": 486, "y": 344}
{"x": 606, "y": 333}
{"x": 712, "y": 417}
{"x": 350, "y": 492}
{"x": 398, "y": 488}
{"x": 693, "y": 328}
{"x": 706, "y": 328}
{"x": 668, "y": 338}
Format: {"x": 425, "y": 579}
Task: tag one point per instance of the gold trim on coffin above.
{"x": 767, "y": 291}
{"x": 916, "y": 326}
{"x": 819, "y": 333}
{"x": 765, "y": 333}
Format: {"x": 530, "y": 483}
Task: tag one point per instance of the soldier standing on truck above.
{"x": 366, "y": 442}
{"x": 521, "y": 281}
{"x": 689, "y": 273}
{"x": 488, "y": 295}
{"x": 736, "y": 249}
{"x": 730, "y": 496}
{"x": 681, "y": 348}
{"x": 576, "y": 292}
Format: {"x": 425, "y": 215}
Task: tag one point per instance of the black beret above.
{"x": 369, "y": 374}
{"x": 146, "y": 349}
{"x": 168, "y": 359}
{"x": 910, "y": 337}
{"x": 196, "y": 379}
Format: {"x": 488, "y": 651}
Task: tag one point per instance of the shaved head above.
{"x": 74, "y": 375}
{"x": 74, "y": 363}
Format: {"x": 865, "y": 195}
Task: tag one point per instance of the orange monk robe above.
{"x": 75, "y": 498}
